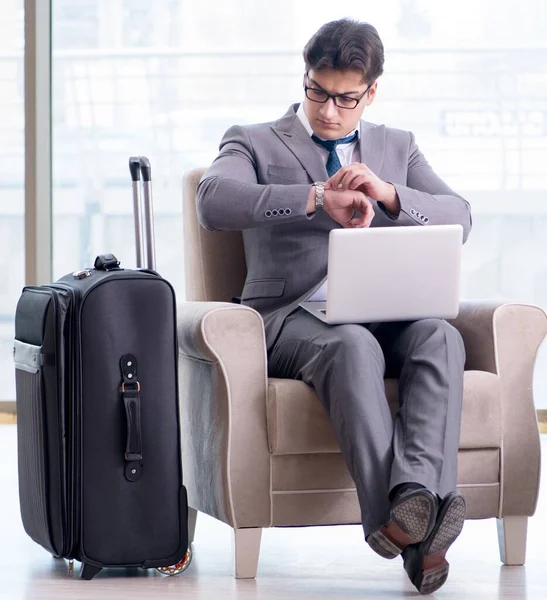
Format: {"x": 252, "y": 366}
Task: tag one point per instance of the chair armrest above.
{"x": 503, "y": 338}
{"x": 223, "y": 387}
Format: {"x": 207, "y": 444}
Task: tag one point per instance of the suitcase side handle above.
{"x": 132, "y": 402}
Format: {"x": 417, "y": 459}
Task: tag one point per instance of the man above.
{"x": 286, "y": 184}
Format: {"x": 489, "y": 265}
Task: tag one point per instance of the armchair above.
{"x": 260, "y": 452}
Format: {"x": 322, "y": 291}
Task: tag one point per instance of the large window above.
{"x": 167, "y": 78}
{"x": 12, "y": 201}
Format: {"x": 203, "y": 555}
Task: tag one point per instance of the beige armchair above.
{"x": 260, "y": 452}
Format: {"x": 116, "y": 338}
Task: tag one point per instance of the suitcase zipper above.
{"x": 66, "y": 543}
{"x": 73, "y": 454}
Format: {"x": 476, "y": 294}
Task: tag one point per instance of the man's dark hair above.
{"x": 346, "y": 44}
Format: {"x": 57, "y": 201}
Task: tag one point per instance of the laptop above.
{"x": 391, "y": 274}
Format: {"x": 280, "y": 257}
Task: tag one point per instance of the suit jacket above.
{"x": 259, "y": 184}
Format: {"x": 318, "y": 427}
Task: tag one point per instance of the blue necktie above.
{"x": 333, "y": 162}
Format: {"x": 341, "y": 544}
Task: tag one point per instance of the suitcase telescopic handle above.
{"x": 145, "y": 243}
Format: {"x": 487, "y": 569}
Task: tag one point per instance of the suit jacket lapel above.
{"x": 372, "y": 146}
{"x": 289, "y": 129}
{"x": 292, "y": 133}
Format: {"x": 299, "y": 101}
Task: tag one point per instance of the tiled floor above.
{"x": 314, "y": 563}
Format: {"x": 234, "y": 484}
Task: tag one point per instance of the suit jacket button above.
{"x": 288, "y": 211}
{"x": 268, "y": 213}
{"x": 275, "y": 212}
{"x": 412, "y": 211}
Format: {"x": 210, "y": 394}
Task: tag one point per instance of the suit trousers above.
{"x": 346, "y": 364}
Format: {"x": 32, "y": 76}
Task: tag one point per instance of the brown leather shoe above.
{"x": 412, "y": 519}
{"x": 425, "y": 563}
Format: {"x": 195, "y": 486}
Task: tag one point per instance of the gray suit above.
{"x": 259, "y": 183}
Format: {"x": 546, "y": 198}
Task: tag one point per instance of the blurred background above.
{"x": 167, "y": 78}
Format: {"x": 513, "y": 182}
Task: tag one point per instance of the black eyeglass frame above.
{"x": 335, "y": 96}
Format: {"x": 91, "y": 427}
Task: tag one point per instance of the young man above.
{"x": 286, "y": 184}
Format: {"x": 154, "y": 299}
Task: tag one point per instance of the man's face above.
{"x": 327, "y": 120}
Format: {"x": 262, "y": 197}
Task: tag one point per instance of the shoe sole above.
{"x": 412, "y": 520}
{"x": 416, "y": 516}
{"x": 434, "y": 568}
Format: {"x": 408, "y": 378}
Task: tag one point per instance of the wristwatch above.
{"x": 319, "y": 194}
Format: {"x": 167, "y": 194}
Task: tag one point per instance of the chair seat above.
{"x": 298, "y": 423}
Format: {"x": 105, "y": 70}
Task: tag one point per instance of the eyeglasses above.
{"x": 340, "y": 100}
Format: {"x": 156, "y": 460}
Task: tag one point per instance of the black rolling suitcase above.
{"x": 100, "y": 478}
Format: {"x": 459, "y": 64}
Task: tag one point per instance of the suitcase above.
{"x": 100, "y": 476}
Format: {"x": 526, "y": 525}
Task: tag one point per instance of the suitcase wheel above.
{"x": 179, "y": 567}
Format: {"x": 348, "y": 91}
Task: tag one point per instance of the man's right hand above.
{"x": 341, "y": 206}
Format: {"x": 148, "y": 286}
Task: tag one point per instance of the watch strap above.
{"x": 319, "y": 195}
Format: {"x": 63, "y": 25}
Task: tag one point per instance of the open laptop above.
{"x": 391, "y": 274}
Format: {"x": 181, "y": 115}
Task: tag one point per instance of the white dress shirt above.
{"x": 347, "y": 154}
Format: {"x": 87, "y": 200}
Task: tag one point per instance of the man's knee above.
{"x": 353, "y": 344}
{"x": 440, "y": 332}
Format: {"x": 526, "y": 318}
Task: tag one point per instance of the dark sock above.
{"x": 401, "y": 488}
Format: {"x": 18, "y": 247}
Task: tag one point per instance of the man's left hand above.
{"x": 358, "y": 176}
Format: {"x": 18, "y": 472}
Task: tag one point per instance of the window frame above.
{"x": 38, "y": 149}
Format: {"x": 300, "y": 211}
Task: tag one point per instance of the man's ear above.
{"x": 371, "y": 94}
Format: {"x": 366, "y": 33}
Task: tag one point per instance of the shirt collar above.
{"x": 301, "y": 114}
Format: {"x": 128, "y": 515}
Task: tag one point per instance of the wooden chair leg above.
{"x": 512, "y": 540}
{"x": 246, "y": 550}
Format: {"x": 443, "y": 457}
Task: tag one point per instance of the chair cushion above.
{"x": 298, "y": 423}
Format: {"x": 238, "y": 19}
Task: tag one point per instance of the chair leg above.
{"x": 512, "y": 540}
{"x": 192, "y": 518}
{"x": 246, "y": 549}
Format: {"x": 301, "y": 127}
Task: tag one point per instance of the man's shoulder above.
{"x": 392, "y": 134}
{"x": 252, "y": 128}
{"x": 249, "y": 135}
{"x": 283, "y": 122}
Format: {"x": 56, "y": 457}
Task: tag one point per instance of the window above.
{"x": 168, "y": 82}
{"x": 12, "y": 156}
